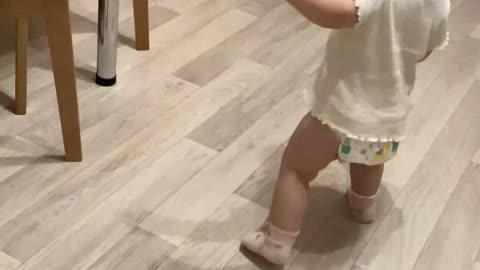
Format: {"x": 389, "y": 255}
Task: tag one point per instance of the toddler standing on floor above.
{"x": 360, "y": 103}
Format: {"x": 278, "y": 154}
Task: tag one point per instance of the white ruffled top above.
{"x": 364, "y": 84}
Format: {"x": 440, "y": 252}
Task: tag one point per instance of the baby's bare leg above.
{"x": 366, "y": 179}
{"x": 365, "y": 185}
{"x": 312, "y": 147}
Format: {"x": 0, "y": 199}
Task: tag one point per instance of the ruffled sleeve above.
{"x": 364, "y": 9}
{"x": 439, "y": 35}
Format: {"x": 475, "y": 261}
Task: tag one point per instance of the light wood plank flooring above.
{"x": 182, "y": 154}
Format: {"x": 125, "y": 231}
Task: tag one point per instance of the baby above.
{"x": 359, "y": 106}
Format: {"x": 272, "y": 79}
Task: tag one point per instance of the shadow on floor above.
{"x": 6, "y": 101}
{"x": 86, "y": 73}
{"x": 80, "y": 24}
{"x": 24, "y": 152}
{"x": 324, "y": 235}
{"x": 18, "y": 161}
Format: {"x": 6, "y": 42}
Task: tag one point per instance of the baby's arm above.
{"x": 333, "y": 14}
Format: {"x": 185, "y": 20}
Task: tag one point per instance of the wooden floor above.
{"x": 181, "y": 155}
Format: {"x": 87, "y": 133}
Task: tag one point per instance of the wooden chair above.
{"x": 142, "y": 37}
{"x": 141, "y": 18}
{"x": 57, "y": 17}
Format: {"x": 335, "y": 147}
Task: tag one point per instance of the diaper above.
{"x": 366, "y": 153}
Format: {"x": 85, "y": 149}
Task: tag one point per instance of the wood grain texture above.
{"x": 14, "y": 153}
{"x": 281, "y": 22}
{"x": 84, "y": 216}
{"x": 476, "y": 33}
{"x": 96, "y": 145}
{"x": 175, "y": 31}
{"x": 138, "y": 250}
{"x": 427, "y": 192}
{"x": 198, "y": 43}
{"x": 85, "y": 41}
{"x": 169, "y": 128}
{"x": 215, "y": 241}
{"x": 281, "y": 48}
{"x": 453, "y": 245}
{"x": 18, "y": 188}
{"x": 190, "y": 22}
{"x": 463, "y": 19}
{"x": 259, "y": 187}
{"x": 192, "y": 203}
{"x": 57, "y": 18}
{"x": 222, "y": 129}
{"x": 40, "y": 70}
{"x": 29, "y": 124}
{"x": 437, "y": 99}
{"x": 7, "y": 262}
{"x": 114, "y": 218}
{"x": 179, "y": 6}
{"x": 110, "y": 171}
{"x": 157, "y": 16}
{"x": 28, "y": 186}
{"x": 89, "y": 10}
{"x": 248, "y": 261}
{"x": 128, "y": 60}
{"x": 177, "y": 56}
{"x": 259, "y": 7}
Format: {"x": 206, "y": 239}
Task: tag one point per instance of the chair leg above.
{"x": 57, "y": 17}
{"x": 142, "y": 30}
{"x": 21, "y": 66}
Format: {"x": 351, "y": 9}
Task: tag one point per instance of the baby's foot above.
{"x": 364, "y": 208}
{"x": 272, "y": 243}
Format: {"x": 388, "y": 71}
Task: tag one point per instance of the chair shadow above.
{"x": 16, "y": 161}
{"x": 80, "y": 24}
{"x": 339, "y": 230}
{"x": 85, "y": 73}
{"x": 7, "y": 102}
{"x": 86, "y": 25}
{"x": 331, "y": 232}
{"x": 17, "y": 144}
